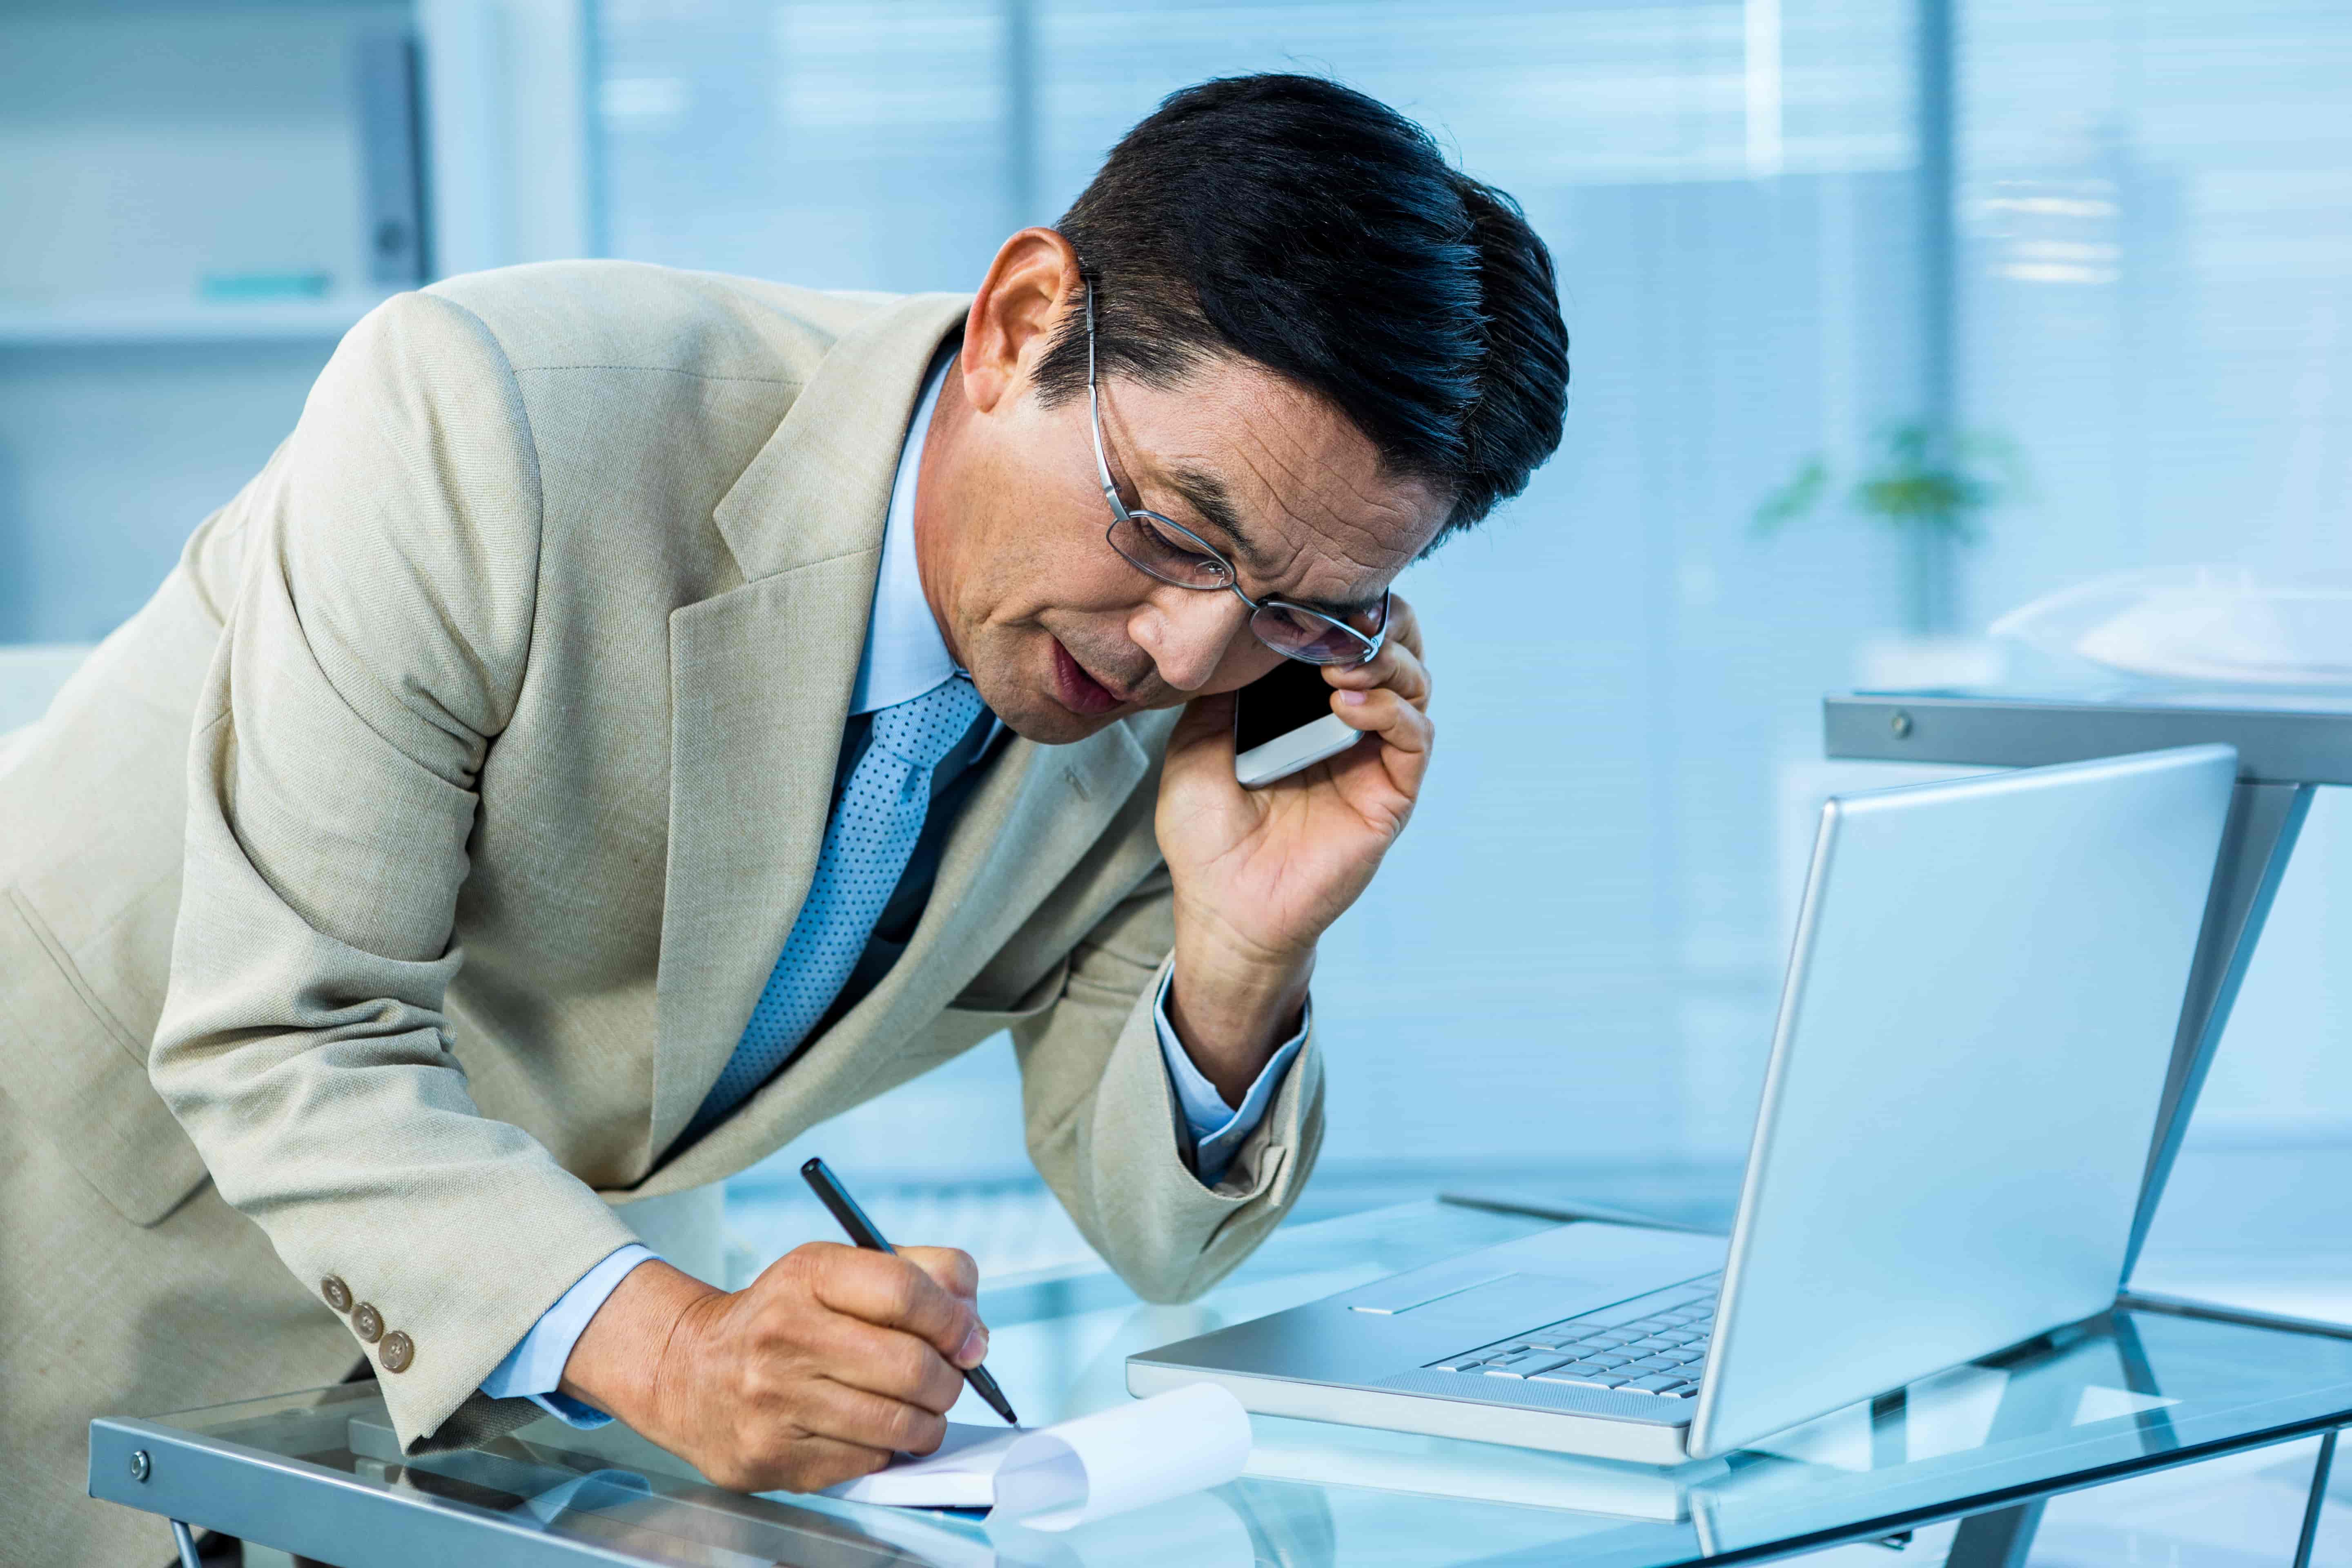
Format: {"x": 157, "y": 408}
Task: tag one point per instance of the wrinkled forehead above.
{"x": 1278, "y": 478}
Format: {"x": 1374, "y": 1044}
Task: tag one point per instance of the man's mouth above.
{"x": 1080, "y": 692}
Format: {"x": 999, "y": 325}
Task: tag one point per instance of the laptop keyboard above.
{"x": 1653, "y": 1344}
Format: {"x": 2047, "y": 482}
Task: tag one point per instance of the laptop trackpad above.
{"x": 1516, "y": 1301}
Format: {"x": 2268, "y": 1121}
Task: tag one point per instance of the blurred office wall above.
{"x": 147, "y": 153}
{"x": 1573, "y": 956}
{"x": 186, "y": 230}
{"x": 2156, "y": 230}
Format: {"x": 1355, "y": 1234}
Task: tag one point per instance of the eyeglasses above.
{"x": 1164, "y": 549}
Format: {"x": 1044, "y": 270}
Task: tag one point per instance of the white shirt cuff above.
{"x": 535, "y": 1366}
{"x": 1219, "y": 1130}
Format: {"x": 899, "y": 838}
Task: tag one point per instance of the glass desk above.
{"x": 2151, "y": 1386}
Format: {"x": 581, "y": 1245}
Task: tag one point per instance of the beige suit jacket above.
{"x": 469, "y": 774}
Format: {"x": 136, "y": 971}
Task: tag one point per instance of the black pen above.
{"x": 834, "y": 1197}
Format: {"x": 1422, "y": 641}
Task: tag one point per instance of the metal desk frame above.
{"x": 2284, "y": 754}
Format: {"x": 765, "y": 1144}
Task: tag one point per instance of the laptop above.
{"x": 1972, "y": 1041}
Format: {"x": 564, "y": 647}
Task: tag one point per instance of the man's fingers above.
{"x": 957, "y": 1274}
{"x": 1399, "y": 665}
{"x": 1387, "y": 714}
{"x": 887, "y": 1362}
{"x": 1404, "y": 624}
{"x": 852, "y": 1415}
{"x": 883, "y": 1288}
{"x": 1406, "y": 734}
{"x": 1398, "y": 669}
{"x": 1404, "y": 627}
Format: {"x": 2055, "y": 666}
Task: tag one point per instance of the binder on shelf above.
{"x": 388, "y": 101}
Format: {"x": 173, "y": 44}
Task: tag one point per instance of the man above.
{"x": 637, "y": 715}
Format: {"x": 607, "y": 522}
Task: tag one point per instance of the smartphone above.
{"x": 1283, "y": 723}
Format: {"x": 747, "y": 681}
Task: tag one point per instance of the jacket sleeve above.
{"x": 1107, "y": 1135}
{"x": 374, "y": 653}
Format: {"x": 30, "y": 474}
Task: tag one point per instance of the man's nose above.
{"x": 1187, "y": 635}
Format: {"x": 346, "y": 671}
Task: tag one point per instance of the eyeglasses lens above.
{"x": 1303, "y": 635}
{"x": 1167, "y": 554}
{"x": 1163, "y": 550}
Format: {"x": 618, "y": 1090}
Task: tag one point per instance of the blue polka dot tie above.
{"x": 867, "y": 847}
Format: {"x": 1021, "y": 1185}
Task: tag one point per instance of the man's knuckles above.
{"x": 914, "y": 1431}
{"x": 799, "y": 1274}
{"x": 950, "y": 1268}
{"x": 760, "y": 1382}
{"x": 879, "y": 1287}
{"x": 932, "y": 1314}
{"x": 904, "y": 1369}
{"x": 941, "y": 1387}
{"x": 875, "y": 1421}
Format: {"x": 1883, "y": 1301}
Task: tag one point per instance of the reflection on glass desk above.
{"x": 320, "y": 1473}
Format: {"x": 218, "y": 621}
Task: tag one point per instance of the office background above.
{"x": 2117, "y": 237}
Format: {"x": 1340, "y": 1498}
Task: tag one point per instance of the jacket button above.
{"x": 367, "y": 1322}
{"x": 396, "y": 1352}
{"x": 338, "y": 1294}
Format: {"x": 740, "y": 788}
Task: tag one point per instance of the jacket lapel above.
{"x": 1039, "y": 812}
{"x": 759, "y": 683}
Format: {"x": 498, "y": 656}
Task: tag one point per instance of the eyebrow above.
{"x": 1207, "y": 496}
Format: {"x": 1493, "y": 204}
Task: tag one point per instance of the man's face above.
{"x": 1061, "y": 635}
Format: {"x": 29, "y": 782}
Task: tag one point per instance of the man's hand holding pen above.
{"x": 810, "y": 1375}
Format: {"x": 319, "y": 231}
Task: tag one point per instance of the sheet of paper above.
{"x": 961, "y": 1473}
{"x": 1057, "y": 1477}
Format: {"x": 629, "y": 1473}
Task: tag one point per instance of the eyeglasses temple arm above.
{"x": 1094, "y": 413}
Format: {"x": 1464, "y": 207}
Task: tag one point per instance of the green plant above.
{"x": 1930, "y": 486}
{"x": 1923, "y": 481}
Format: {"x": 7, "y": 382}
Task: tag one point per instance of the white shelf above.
{"x": 179, "y": 321}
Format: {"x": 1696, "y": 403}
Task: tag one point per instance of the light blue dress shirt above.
{"x": 905, "y": 657}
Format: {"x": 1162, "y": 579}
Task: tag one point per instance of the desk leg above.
{"x": 2256, "y": 842}
{"x": 1999, "y": 1538}
{"x": 2318, "y": 1501}
{"x": 186, "y": 1544}
{"x": 2003, "y": 1537}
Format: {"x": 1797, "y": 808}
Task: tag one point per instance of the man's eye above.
{"x": 1172, "y": 542}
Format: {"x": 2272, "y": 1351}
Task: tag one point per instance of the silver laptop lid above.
{"x": 1972, "y": 1040}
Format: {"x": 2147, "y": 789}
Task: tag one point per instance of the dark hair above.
{"x": 1303, "y": 226}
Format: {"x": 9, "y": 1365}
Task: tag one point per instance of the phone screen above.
{"x": 1292, "y": 694}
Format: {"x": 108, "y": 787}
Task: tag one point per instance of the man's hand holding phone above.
{"x": 1260, "y": 874}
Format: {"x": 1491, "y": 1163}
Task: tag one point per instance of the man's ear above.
{"x": 1033, "y": 280}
